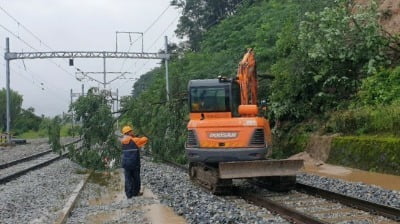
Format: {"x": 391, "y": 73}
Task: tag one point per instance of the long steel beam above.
{"x": 83, "y": 54}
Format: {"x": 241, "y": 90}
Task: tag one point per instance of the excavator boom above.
{"x": 247, "y": 78}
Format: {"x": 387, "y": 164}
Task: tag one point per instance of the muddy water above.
{"x": 390, "y": 182}
{"x": 154, "y": 213}
{"x": 160, "y": 214}
{"x": 114, "y": 185}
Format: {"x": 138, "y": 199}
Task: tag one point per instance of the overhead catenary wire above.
{"x": 54, "y": 93}
{"x": 145, "y": 31}
{"x": 42, "y": 81}
{"x": 32, "y": 34}
{"x": 35, "y": 49}
{"x": 151, "y": 46}
{"x": 206, "y": 28}
{"x": 24, "y": 27}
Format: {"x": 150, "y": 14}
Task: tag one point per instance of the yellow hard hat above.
{"x": 126, "y": 129}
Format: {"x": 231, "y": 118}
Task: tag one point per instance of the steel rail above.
{"x": 289, "y": 214}
{"x": 374, "y": 208}
{"x": 297, "y": 217}
{"x": 19, "y": 173}
{"x": 27, "y": 158}
{"x": 34, "y": 156}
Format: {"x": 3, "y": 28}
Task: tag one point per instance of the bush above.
{"x": 366, "y": 120}
{"x": 381, "y": 88}
{"x": 367, "y": 153}
{"x": 54, "y": 134}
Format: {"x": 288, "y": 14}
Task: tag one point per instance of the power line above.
{"x": 54, "y": 93}
{"x": 241, "y": 3}
{"x": 24, "y": 27}
{"x": 18, "y": 37}
{"x": 156, "y": 20}
{"x": 158, "y": 38}
{"x": 146, "y": 30}
{"x": 31, "y": 33}
{"x": 33, "y": 48}
{"x": 145, "y": 63}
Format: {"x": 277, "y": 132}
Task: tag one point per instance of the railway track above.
{"x": 16, "y": 168}
{"x": 308, "y": 204}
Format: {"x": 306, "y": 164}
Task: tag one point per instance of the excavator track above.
{"x": 207, "y": 177}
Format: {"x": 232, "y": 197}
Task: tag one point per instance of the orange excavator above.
{"x": 228, "y": 139}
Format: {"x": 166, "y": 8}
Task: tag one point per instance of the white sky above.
{"x": 73, "y": 25}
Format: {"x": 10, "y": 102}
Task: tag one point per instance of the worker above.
{"x": 131, "y": 160}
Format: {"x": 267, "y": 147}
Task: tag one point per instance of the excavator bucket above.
{"x": 259, "y": 168}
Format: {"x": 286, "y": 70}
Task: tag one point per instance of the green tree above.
{"x": 200, "y": 15}
{"x": 97, "y": 131}
{"x": 53, "y": 131}
{"x": 382, "y": 88}
{"x": 27, "y": 120}
{"x": 15, "y": 108}
{"x": 334, "y": 50}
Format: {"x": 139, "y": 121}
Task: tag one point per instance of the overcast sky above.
{"x": 72, "y": 25}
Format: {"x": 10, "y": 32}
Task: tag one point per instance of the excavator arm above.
{"x": 247, "y": 78}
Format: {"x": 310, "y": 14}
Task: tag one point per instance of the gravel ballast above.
{"x": 174, "y": 189}
{"x": 34, "y": 146}
{"x": 37, "y": 196}
{"x": 355, "y": 189}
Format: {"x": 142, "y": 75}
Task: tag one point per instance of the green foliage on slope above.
{"x": 367, "y": 153}
{"x": 317, "y": 52}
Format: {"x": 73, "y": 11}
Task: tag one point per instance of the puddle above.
{"x": 320, "y": 168}
{"x": 160, "y": 214}
{"x": 386, "y": 181}
{"x": 102, "y": 217}
{"x": 113, "y": 181}
{"x": 107, "y": 179}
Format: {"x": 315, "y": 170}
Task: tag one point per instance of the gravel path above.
{"x": 359, "y": 190}
{"x": 38, "y": 195}
{"x": 174, "y": 189}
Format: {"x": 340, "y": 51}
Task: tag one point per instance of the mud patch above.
{"x": 160, "y": 214}
{"x": 111, "y": 180}
{"x": 319, "y": 147}
{"x": 317, "y": 167}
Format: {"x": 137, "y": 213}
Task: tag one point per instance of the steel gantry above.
{"x": 83, "y": 54}
{"x": 9, "y": 56}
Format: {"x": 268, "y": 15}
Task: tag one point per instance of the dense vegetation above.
{"x": 320, "y": 63}
{"x": 379, "y": 154}
{"x": 22, "y": 120}
{"x": 99, "y": 144}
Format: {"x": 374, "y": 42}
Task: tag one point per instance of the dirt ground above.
{"x": 390, "y": 10}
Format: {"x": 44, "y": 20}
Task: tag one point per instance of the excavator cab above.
{"x": 214, "y": 96}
